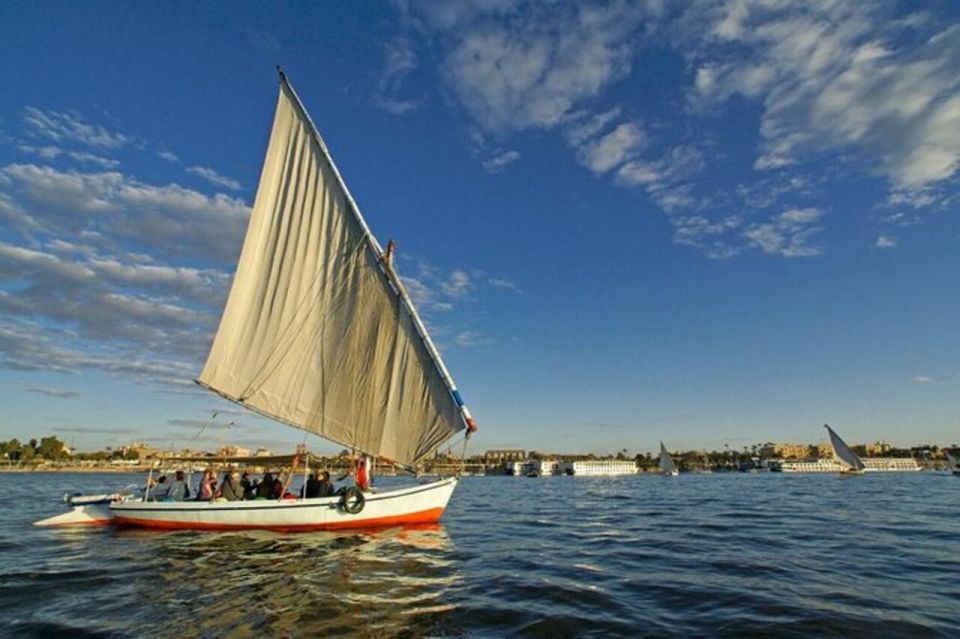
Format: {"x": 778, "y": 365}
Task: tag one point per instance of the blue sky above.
{"x": 704, "y": 222}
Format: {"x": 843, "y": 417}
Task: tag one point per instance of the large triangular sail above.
{"x": 666, "y": 462}
{"x": 318, "y": 331}
{"x": 842, "y": 453}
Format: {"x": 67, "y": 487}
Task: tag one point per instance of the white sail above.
{"x": 318, "y": 331}
{"x": 952, "y": 461}
{"x": 666, "y": 462}
{"x": 842, "y": 452}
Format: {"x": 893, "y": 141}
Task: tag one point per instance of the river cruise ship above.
{"x": 598, "y": 467}
{"x": 871, "y": 465}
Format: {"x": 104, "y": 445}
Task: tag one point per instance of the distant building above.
{"x": 499, "y": 456}
{"x": 262, "y": 452}
{"x": 233, "y": 451}
{"x": 791, "y": 451}
{"x": 143, "y": 451}
{"x": 879, "y": 449}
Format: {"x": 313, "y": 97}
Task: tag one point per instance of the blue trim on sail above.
{"x": 457, "y": 398}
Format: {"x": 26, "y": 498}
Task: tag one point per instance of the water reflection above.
{"x": 391, "y": 581}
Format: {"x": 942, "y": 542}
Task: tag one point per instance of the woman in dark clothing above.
{"x": 277, "y": 488}
{"x": 249, "y": 488}
{"x": 265, "y": 489}
{"x": 230, "y": 489}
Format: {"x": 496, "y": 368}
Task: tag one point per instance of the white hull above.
{"x": 91, "y": 515}
{"x": 423, "y": 504}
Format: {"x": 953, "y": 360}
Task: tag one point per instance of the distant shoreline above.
{"x": 76, "y": 469}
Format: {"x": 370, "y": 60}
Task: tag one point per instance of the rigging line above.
{"x": 204, "y": 427}
{"x": 280, "y": 349}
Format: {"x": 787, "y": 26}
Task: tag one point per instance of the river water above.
{"x": 714, "y": 555}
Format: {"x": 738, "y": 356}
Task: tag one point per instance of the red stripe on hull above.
{"x": 430, "y": 516}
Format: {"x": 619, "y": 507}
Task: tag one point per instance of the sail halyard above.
{"x": 309, "y": 337}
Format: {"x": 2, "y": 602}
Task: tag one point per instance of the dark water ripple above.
{"x": 720, "y": 555}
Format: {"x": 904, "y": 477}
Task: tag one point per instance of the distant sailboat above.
{"x": 843, "y": 454}
{"x": 667, "y": 467}
{"x": 954, "y": 463}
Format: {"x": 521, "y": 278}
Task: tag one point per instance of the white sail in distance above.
{"x": 318, "y": 331}
{"x": 952, "y": 461}
{"x": 666, "y": 462}
{"x": 842, "y": 452}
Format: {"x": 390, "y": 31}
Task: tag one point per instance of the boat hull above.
{"x": 422, "y": 504}
{"x": 88, "y": 515}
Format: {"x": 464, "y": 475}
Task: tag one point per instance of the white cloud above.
{"x": 534, "y": 71}
{"x": 170, "y": 218}
{"x": 457, "y": 285}
{"x": 400, "y": 59}
{"x": 84, "y": 157}
{"x": 835, "y": 77}
{"x": 470, "y": 338}
{"x": 583, "y": 127}
{"x": 700, "y": 232}
{"x": 787, "y": 234}
{"x": 67, "y": 127}
{"x": 57, "y": 393}
{"x": 612, "y": 149}
{"x": 498, "y": 282}
{"x": 500, "y": 161}
{"x": 168, "y": 156}
{"x": 885, "y": 242}
{"x": 211, "y": 176}
{"x": 921, "y": 379}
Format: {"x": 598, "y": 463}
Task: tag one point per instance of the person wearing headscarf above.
{"x": 230, "y": 489}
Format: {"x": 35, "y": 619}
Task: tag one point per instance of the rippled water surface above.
{"x": 716, "y": 555}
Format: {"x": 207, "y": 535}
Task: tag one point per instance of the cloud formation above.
{"x": 211, "y": 176}
{"x": 70, "y": 127}
{"x": 853, "y": 85}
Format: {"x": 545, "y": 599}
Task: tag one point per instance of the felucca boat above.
{"x": 843, "y": 455}
{"x": 667, "y": 467}
{"x": 953, "y": 462}
{"x": 318, "y": 333}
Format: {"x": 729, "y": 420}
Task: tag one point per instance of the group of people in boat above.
{"x": 236, "y": 487}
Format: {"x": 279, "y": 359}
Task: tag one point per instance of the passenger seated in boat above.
{"x": 265, "y": 487}
{"x": 230, "y": 488}
{"x": 276, "y": 489}
{"x": 178, "y": 488}
{"x": 249, "y": 487}
{"x": 162, "y": 490}
{"x": 208, "y": 486}
{"x": 311, "y": 489}
{"x": 326, "y": 488}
